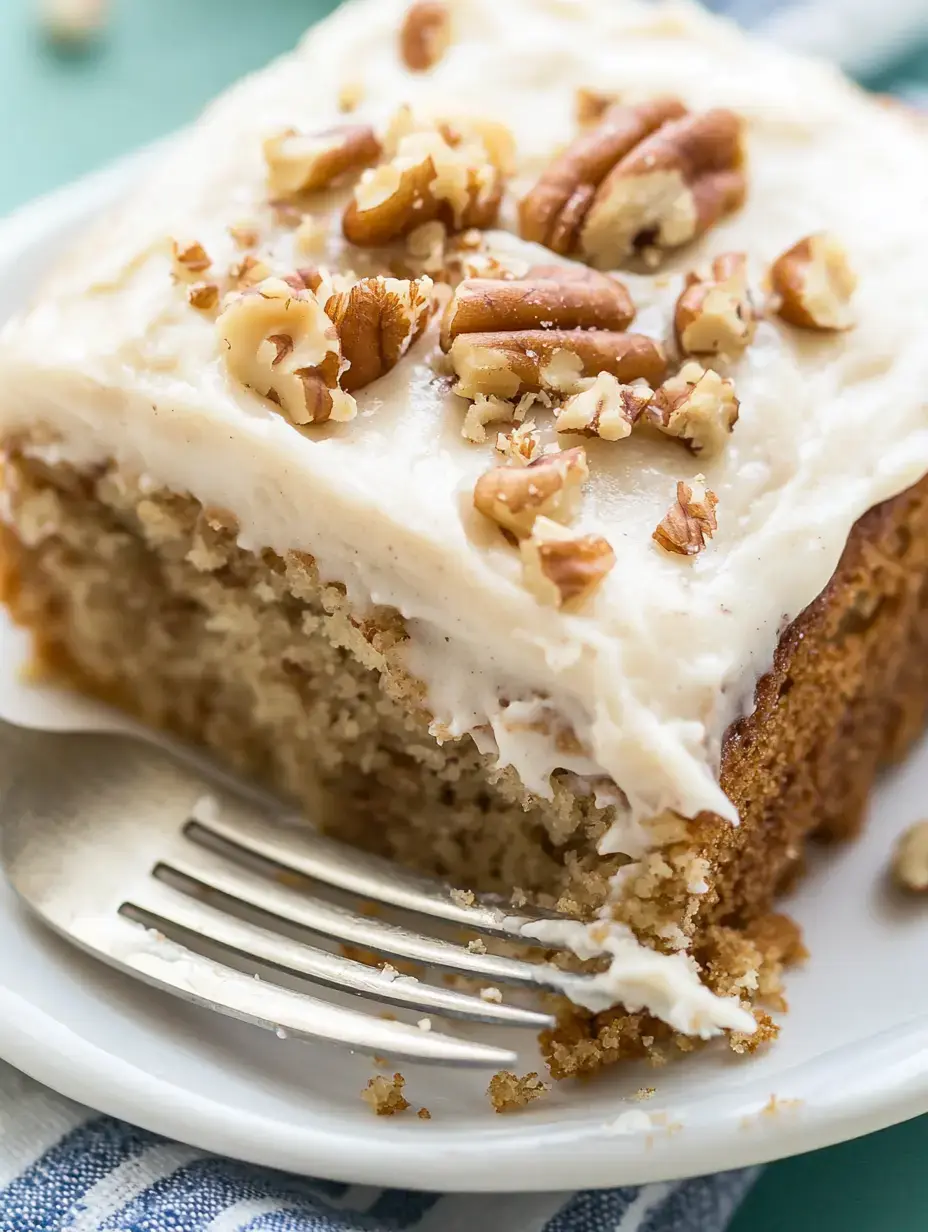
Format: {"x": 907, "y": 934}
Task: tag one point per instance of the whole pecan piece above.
{"x": 551, "y": 486}
{"x": 547, "y": 297}
{"x": 554, "y": 211}
{"x": 815, "y": 284}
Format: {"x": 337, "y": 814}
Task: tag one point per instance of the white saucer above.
{"x": 853, "y": 1055}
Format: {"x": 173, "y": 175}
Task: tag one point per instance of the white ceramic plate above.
{"x": 853, "y": 1055}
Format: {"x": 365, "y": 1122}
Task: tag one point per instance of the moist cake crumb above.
{"x": 424, "y": 1115}
{"x": 385, "y": 1095}
{"x": 507, "y": 1092}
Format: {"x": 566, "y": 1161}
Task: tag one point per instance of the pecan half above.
{"x": 561, "y": 568}
{"x": 280, "y": 343}
{"x": 697, "y": 405}
{"x": 815, "y": 283}
{"x": 714, "y": 315}
{"x": 669, "y": 189}
{"x": 554, "y": 211}
{"x": 608, "y": 409}
{"x": 548, "y": 297}
{"x": 308, "y": 162}
{"x": 550, "y": 486}
{"x": 428, "y": 177}
{"x": 425, "y": 34}
{"x": 555, "y": 360}
{"x": 378, "y": 320}
{"x": 689, "y": 521}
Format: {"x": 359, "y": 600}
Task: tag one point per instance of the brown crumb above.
{"x": 424, "y": 1115}
{"x": 767, "y": 1030}
{"x": 644, "y": 1093}
{"x": 507, "y": 1092}
{"x": 385, "y": 1095}
{"x": 463, "y": 898}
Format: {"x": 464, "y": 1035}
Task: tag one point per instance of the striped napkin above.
{"x": 65, "y": 1168}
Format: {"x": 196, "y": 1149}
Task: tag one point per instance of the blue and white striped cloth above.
{"x": 64, "y": 1168}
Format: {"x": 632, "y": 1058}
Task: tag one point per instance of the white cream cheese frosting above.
{"x": 650, "y": 673}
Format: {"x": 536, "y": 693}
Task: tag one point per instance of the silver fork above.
{"x": 140, "y": 856}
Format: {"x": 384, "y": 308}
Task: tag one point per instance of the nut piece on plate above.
{"x": 520, "y": 446}
{"x": 378, "y": 320}
{"x": 553, "y": 360}
{"x": 432, "y": 172}
{"x": 815, "y": 283}
{"x": 650, "y": 176}
{"x": 697, "y": 405}
{"x": 714, "y": 315}
{"x": 560, "y": 567}
{"x": 280, "y": 343}
{"x": 548, "y": 297}
{"x": 308, "y": 162}
{"x": 910, "y": 860}
{"x": 551, "y": 487}
{"x": 607, "y": 409}
{"x": 189, "y": 260}
{"x": 425, "y": 34}
{"x": 689, "y": 521}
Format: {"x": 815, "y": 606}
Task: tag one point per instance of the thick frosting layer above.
{"x": 651, "y": 672}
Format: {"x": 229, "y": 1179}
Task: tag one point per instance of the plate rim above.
{"x": 539, "y": 1158}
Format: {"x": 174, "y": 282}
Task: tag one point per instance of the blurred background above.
{"x": 70, "y": 104}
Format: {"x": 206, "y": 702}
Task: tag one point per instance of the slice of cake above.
{"x": 502, "y": 428}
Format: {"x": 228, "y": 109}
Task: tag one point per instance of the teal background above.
{"x": 159, "y": 62}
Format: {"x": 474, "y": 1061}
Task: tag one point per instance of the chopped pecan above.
{"x": 714, "y": 315}
{"x": 670, "y": 189}
{"x": 548, "y": 297}
{"x": 520, "y": 446}
{"x": 425, "y": 34}
{"x": 203, "y": 295}
{"x": 248, "y": 272}
{"x": 508, "y": 364}
{"x": 308, "y": 162}
{"x": 689, "y": 521}
{"x": 425, "y": 178}
{"x": 910, "y": 859}
{"x": 483, "y": 411}
{"x": 280, "y": 343}
{"x": 245, "y": 234}
{"x": 815, "y": 283}
{"x": 697, "y": 405}
{"x": 650, "y": 176}
{"x": 378, "y": 320}
{"x": 559, "y": 567}
{"x": 607, "y": 409}
{"x": 554, "y": 211}
{"x": 189, "y": 260}
{"x": 550, "y": 486}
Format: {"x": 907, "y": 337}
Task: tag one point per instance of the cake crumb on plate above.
{"x": 385, "y": 1095}
{"x": 507, "y": 1091}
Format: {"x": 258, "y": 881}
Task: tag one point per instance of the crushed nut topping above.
{"x": 385, "y": 1095}
{"x": 378, "y": 320}
{"x": 311, "y": 236}
{"x": 429, "y": 174}
{"x": 815, "y": 283}
{"x": 689, "y": 521}
{"x": 245, "y": 235}
{"x": 555, "y": 360}
{"x": 910, "y": 860}
{"x": 279, "y": 342}
{"x": 607, "y": 409}
{"x": 697, "y": 405}
{"x": 551, "y": 486}
{"x": 308, "y": 162}
{"x": 520, "y": 446}
{"x": 648, "y": 177}
{"x": 559, "y": 567}
{"x": 189, "y": 260}
{"x": 483, "y": 411}
{"x": 714, "y": 315}
{"x": 425, "y": 34}
{"x": 248, "y": 272}
{"x": 548, "y": 297}
{"x": 203, "y": 295}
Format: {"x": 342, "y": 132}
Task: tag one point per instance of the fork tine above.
{"x": 210, "y": 872}
{"x": 170, "y": 910}
{"x": 304, "y": 850}
{"x": 166, "y": 964}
